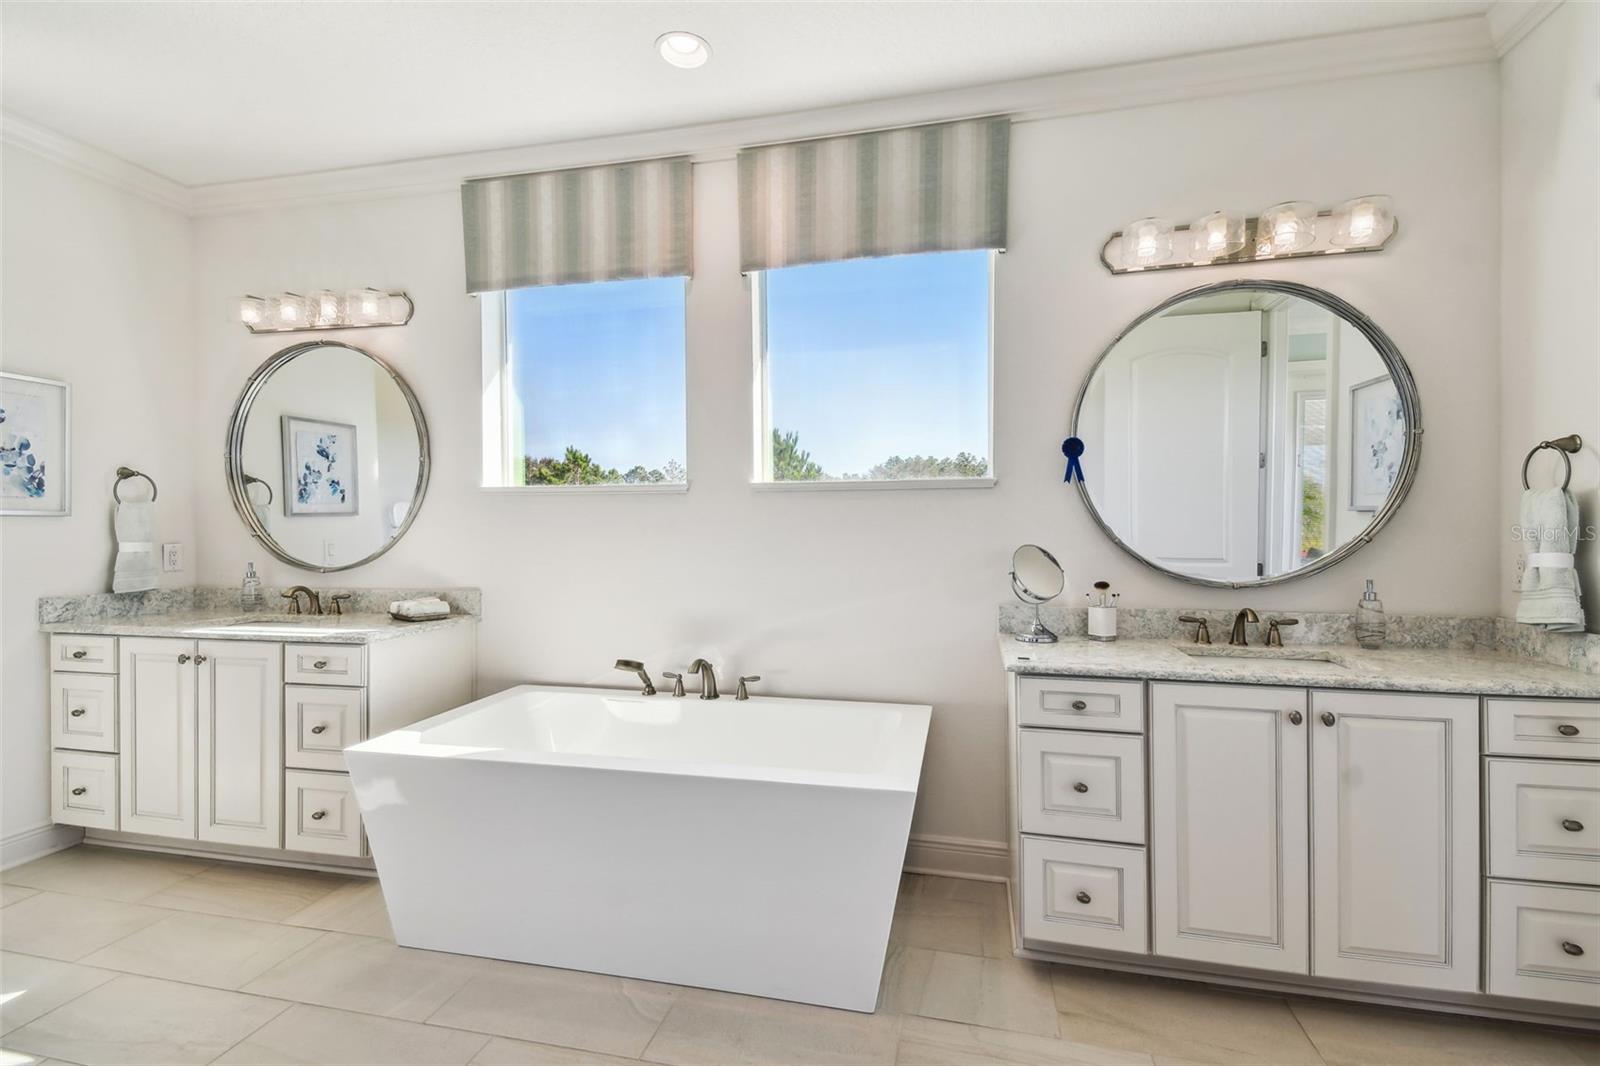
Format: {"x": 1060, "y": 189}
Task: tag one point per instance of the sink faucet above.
{"x": 1239, "y": 636}
{"x": 313, "y": 604}
{"x": 708, "y": 679}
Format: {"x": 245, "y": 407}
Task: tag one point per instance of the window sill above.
{"x": 863, "y": 485}
{"x": 585, "y": 490}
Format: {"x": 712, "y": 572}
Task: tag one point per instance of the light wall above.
{"x": 891, "y": 595}
{"x": 1550, "y": 275}
{"x": 94, "y": 290}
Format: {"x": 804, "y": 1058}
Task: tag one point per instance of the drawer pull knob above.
{"x": 1080, "y": 705}
{"x": 182, "y": 659}
{"x": 1567, "y": 729}
{"x": 319, "y": 728}
{"x": 317, "y": 816}
{"x": 77, "y": 712}
{"x": 1083, "y": 897}
{"x": 1295, "y": 717}
{"x": 320, "y": 664}
{"x": 1571, "y": 949}
{"x": 80, "y": 654}
{"x": 1080, "y": 787}
{"x": 80, "y": 790}
{"x": 1572, "y": 825}
{"x": 1327, "y": 718}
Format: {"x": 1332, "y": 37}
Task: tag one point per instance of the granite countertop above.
{"x": 349, "y": 628}
{"x": 1393, "y": 669}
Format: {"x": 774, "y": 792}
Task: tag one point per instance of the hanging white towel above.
{"x": 135, "y": 568}
{"x": 1550, "y": 593}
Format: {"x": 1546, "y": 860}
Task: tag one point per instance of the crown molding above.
{"x": 86, "y": 159}
{"x": 1509, "y": 21}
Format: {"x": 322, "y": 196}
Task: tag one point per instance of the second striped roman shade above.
{"x": 934, "y": 188}
{"x": 555, "y": 227}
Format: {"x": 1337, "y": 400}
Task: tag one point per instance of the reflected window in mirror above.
{"x": 1247, "y": 432}
{"x": 584, "y": 385}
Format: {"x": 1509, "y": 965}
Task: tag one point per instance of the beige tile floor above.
{"x": 110, "y": 956}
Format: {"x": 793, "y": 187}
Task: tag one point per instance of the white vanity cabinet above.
{"x": 157, "y": 691}
{"x": 240, "y": 748}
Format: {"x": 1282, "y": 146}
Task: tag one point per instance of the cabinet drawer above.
{"x": 1555, "y": 729}
{"x": 95, "y": 655}
{"x": 1073, "y": 703}
{"x": 83, "y": 711}
{"x": 1088, "y": 895}
{"x": 320, "y": 814}
{"x": 83, "y": 789}
{"x": 1544, "y": 943}
{"x": 1073, "y": 784}
{"x": 1544, "y": 821}
{"x": 325, "y": 664}
{"x": 319, "y": 723}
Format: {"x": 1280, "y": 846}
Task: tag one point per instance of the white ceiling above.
{"x": 203, "y": 93}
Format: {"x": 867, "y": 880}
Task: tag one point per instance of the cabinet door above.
{"x": 1228, "y": 825}
{"x": 156, "y": 686}
{"x": 241, "y": 742}
{"x": 1394, "y": 838}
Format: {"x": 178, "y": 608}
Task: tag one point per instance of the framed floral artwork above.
{"x": 319, "y": 467}
{"x": 35, "y": 446}
{"x": 1377, "y": 441}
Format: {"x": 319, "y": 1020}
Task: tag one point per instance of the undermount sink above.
{"x": 332, "y": 624}
{"x": 1276, "y": 658}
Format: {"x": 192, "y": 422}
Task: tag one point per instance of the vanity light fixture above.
{"x": 1289, "y": 230}
{"x": 289, "y": 312}
{"x": 683, "y": 49}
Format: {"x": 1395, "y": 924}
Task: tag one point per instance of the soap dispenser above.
{"x": 250, "y": 590}
{"x": 1371, "y": 627}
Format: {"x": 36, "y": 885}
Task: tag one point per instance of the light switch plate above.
{"x": 172, "y": 558}
{"x": 330, "y": 551}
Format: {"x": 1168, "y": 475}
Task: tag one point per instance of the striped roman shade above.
{"x": 624, "y": 220}
{"x": 935, "y": 188}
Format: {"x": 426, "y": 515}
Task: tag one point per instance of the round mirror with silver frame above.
{"x": 1246, "y": 433}
{"x": 1036, "y": 578}
{"x": 327, "y": 457}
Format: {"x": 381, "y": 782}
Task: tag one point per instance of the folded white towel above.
{"x": 135, "y": 568}
{"x": 419, "y": 609}
{"x": 1550, "y": 594}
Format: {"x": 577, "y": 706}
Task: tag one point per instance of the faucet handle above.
{"x": 293, "y": 596}
{"x": 336, "y": 599}
{"x": 743, "y": 693}
{"x": 1274, "y": 637}
{"x": 677, "y": 681}
{"x": 1202, "y": 635}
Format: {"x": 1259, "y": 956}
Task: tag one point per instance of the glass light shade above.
{"x": 1287, "y": 227}
{"x": 1146, "y": 242}
{"x": 1221, "y": 233}
{"x": 1363, "y": 222}
{"x": 252, "y": 310}
{"x": 327, "y": 308}
{"x": 288, "y": 311}
{"x": 367, "y": 306}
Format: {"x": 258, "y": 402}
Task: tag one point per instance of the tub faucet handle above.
{"x": 744, "y": 693}
{"x": 634, "y": 666}
{"x": 677, "y": 681}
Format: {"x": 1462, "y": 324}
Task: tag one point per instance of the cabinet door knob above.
{"x": 80, "y": 654}
{"x": 1295, "y": 717}
{"x": 198, "y": 659}
{"x": 80, "y": 790}
{"x": 1080, "y": 705}
{"x": 1080, "y": 787}
{"x": 1572, "y": 825}
{"x": 317, "y": 816}
{"x": 1083, "y": 897}
{"x": 183, "y": 658}
{"x": 1567, "y": 729}
{"x": 77, "y": 712}
{"x": 319, "y": 728}
{"x": 320, "y": 664}
{"x": 1571, "y": 949}
{"x": 1327, "y": 718}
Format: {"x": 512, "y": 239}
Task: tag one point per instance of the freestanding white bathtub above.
{"x": 753, "y": 846}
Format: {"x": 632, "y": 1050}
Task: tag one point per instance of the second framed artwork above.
{"x": 35, "y": 446}
{"x": 319, "y": 467}
{"x": 1377, "y": 441}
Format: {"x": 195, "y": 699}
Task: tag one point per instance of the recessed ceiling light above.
{"x": 683, "y": 49}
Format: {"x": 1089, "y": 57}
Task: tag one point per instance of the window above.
{"x": 874, "y": 370}
{"x": 584, "y": 384}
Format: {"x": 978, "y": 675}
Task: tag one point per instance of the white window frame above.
{"x": 761, "y": 408}
{"x": 503, "y": 444}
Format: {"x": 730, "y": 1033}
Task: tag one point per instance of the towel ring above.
{"x": 251, "y": 479}
{"x": 1562, "y": 446}
{"x": 126, "y": 472}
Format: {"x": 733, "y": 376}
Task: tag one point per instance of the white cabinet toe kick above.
{"x": 1422, "y": 849}
{"x": 235, "y": 746}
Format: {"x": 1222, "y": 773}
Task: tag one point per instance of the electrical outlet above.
{"x": 172, "y": 558}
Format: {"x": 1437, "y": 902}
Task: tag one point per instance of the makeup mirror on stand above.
{"x": 1036, "y": 578}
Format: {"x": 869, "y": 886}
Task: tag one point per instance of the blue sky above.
{"x": 868, "y": 358}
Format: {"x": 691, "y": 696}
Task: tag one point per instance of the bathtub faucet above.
{"x": 634, "y": 666}
{"x": 708, "y": 679}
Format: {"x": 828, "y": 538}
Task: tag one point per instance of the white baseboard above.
{"x": 37, "y": 842}
{"x": 975, "y": 860}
